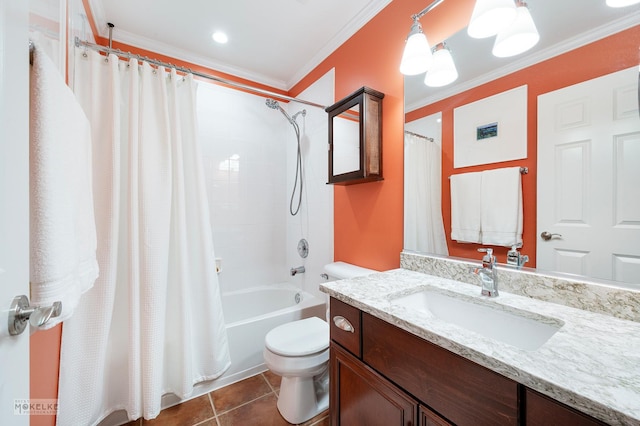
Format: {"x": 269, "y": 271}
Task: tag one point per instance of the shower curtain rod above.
{"x": 156, "y": 62}
{"x": 419, "y": 136}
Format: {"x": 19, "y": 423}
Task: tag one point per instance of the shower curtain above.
{"x": 153, "y": 322}
{"x": 423, "y": 225}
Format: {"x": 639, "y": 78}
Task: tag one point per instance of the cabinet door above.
{"x": 544, "y": 411}
{"x": 359, "y": 396}
{"x": 429, "y": 418}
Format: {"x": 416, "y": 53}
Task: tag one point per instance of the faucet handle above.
{"x": 487, "y": 258}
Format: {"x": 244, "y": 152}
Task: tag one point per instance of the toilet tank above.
{"x": 343, "y": 270}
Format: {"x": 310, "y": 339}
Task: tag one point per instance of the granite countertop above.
{"x": 592, "y": 363}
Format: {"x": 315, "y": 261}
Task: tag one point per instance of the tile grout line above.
{"x": 243, "y": 404}
{"x": 213, "y": 407}
{"x": 269, "y": 384}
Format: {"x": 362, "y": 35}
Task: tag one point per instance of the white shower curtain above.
{"x": 153, "y": 322}
{"x": 423, "y": 226}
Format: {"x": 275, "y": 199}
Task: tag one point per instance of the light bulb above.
{"x": 443, "y": 71}
{"x": 518, "y": 37}
{"x": 621, "y": 3}
{"x": 417, "y": 57}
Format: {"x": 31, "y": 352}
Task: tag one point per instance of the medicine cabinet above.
{"x": 355, "y": 138}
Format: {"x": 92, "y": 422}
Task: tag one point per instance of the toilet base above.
{"x": 302, "y": 398}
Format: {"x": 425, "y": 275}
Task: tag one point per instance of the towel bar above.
{"x": 523, "y": 171}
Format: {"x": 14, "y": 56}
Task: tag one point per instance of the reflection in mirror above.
{"x": 570, "y": 51}
{"x": 423, "y": 226}
{"x": 346, "y": 141}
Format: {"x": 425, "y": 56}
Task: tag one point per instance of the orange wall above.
{"x": 611, "y": 54}
{"x": 368, "y": 217}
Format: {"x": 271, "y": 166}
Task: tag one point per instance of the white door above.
{"x": 14, "y": 204}
{"x": 589, "y": 178}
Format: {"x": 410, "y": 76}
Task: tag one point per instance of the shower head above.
{"x": 273, "y": 104}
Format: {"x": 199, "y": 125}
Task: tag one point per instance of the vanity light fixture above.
{"x": 416, "y": 57}
{"x": 621, "y": 3}
{"x": 443, "y": 71}
{"x": 520, "y": 36}
{"x": 490, "y": 16}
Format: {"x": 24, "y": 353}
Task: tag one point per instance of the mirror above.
{"x": 346, "y": 141}
{"x": 560, "y": 32}
{"x": 355, "y": 138}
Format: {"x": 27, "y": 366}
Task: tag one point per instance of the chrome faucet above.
{"x": 488, "y": 273}
{"x": 298, "y": 270}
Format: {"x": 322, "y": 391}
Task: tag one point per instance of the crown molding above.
{"x": 347, "y": 32}
{"x": 184, "y": 55}
{"x": 165, "y": 49}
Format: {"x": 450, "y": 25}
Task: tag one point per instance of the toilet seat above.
{"x": 299, "y": 338}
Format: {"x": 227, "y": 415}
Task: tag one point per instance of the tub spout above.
{"x": 298, "y": 270}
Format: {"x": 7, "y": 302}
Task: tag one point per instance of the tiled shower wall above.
{"x": 249, "y": 159}
{"x": 314, "y": 222}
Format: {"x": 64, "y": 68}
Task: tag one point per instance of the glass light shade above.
{"x": 518, "y": 37}
{"x": 621, "y": 3}
{"x": 417, "y": 57}
{"x": 490, "y": 16}
{"x": 443, "y": 71}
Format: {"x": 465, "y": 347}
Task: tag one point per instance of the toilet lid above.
{"x": 299, "y": 338}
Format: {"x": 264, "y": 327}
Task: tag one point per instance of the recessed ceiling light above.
{"x": 220, "y": 37}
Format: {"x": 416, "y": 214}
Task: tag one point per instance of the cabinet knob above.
{"x": 343, "y": 324}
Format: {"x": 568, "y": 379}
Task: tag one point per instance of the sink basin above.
{"x": 511, "y": 327}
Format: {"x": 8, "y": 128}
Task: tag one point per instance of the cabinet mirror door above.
{"x": 355, "y": 138}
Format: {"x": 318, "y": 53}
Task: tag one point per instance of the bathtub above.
{"x": 251, "y": 313}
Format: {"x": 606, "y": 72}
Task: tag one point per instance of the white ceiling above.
{"x": 277, "y": 42}
{"x": 274, "y": 42}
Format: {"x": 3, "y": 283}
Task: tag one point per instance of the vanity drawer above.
{"x": 460, "y": 390}
{"x": 345, "y": 326}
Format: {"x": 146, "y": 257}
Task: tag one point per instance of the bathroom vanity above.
{"x": 396, "y": 360}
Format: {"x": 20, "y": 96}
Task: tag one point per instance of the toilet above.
{"x": 299, "y": 352}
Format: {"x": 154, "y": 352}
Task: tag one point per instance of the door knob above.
{"x": 547, "y": 235}
{"x": 20, "y": 313}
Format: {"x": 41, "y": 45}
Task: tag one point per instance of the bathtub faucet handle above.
{"x": 298, "y": 270}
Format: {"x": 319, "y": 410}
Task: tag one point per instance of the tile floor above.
{"x": 251, "y": 402}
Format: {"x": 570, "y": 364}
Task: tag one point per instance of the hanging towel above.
{"x": 465, "y": 207}
{"x": 63, "y": 261}
{"x": 501, "y": 207}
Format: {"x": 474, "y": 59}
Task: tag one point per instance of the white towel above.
{"x": 501, "y": 207}
{"x": 465, "y": 207}
{"x": 63, "y": 261}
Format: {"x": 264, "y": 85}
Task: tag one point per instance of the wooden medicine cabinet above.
{"x": 355, "y": 138}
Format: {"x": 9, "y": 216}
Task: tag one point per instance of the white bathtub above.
{"x": 251, "y": 313}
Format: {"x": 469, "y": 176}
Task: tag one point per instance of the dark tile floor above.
{"x": 251, "y": 402}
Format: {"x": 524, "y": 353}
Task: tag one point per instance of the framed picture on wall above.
{"x": 491, "y": 130}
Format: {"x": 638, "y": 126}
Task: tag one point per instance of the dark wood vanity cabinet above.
{"x": 360, "y": 396}
{"x": 383, "y": 375}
